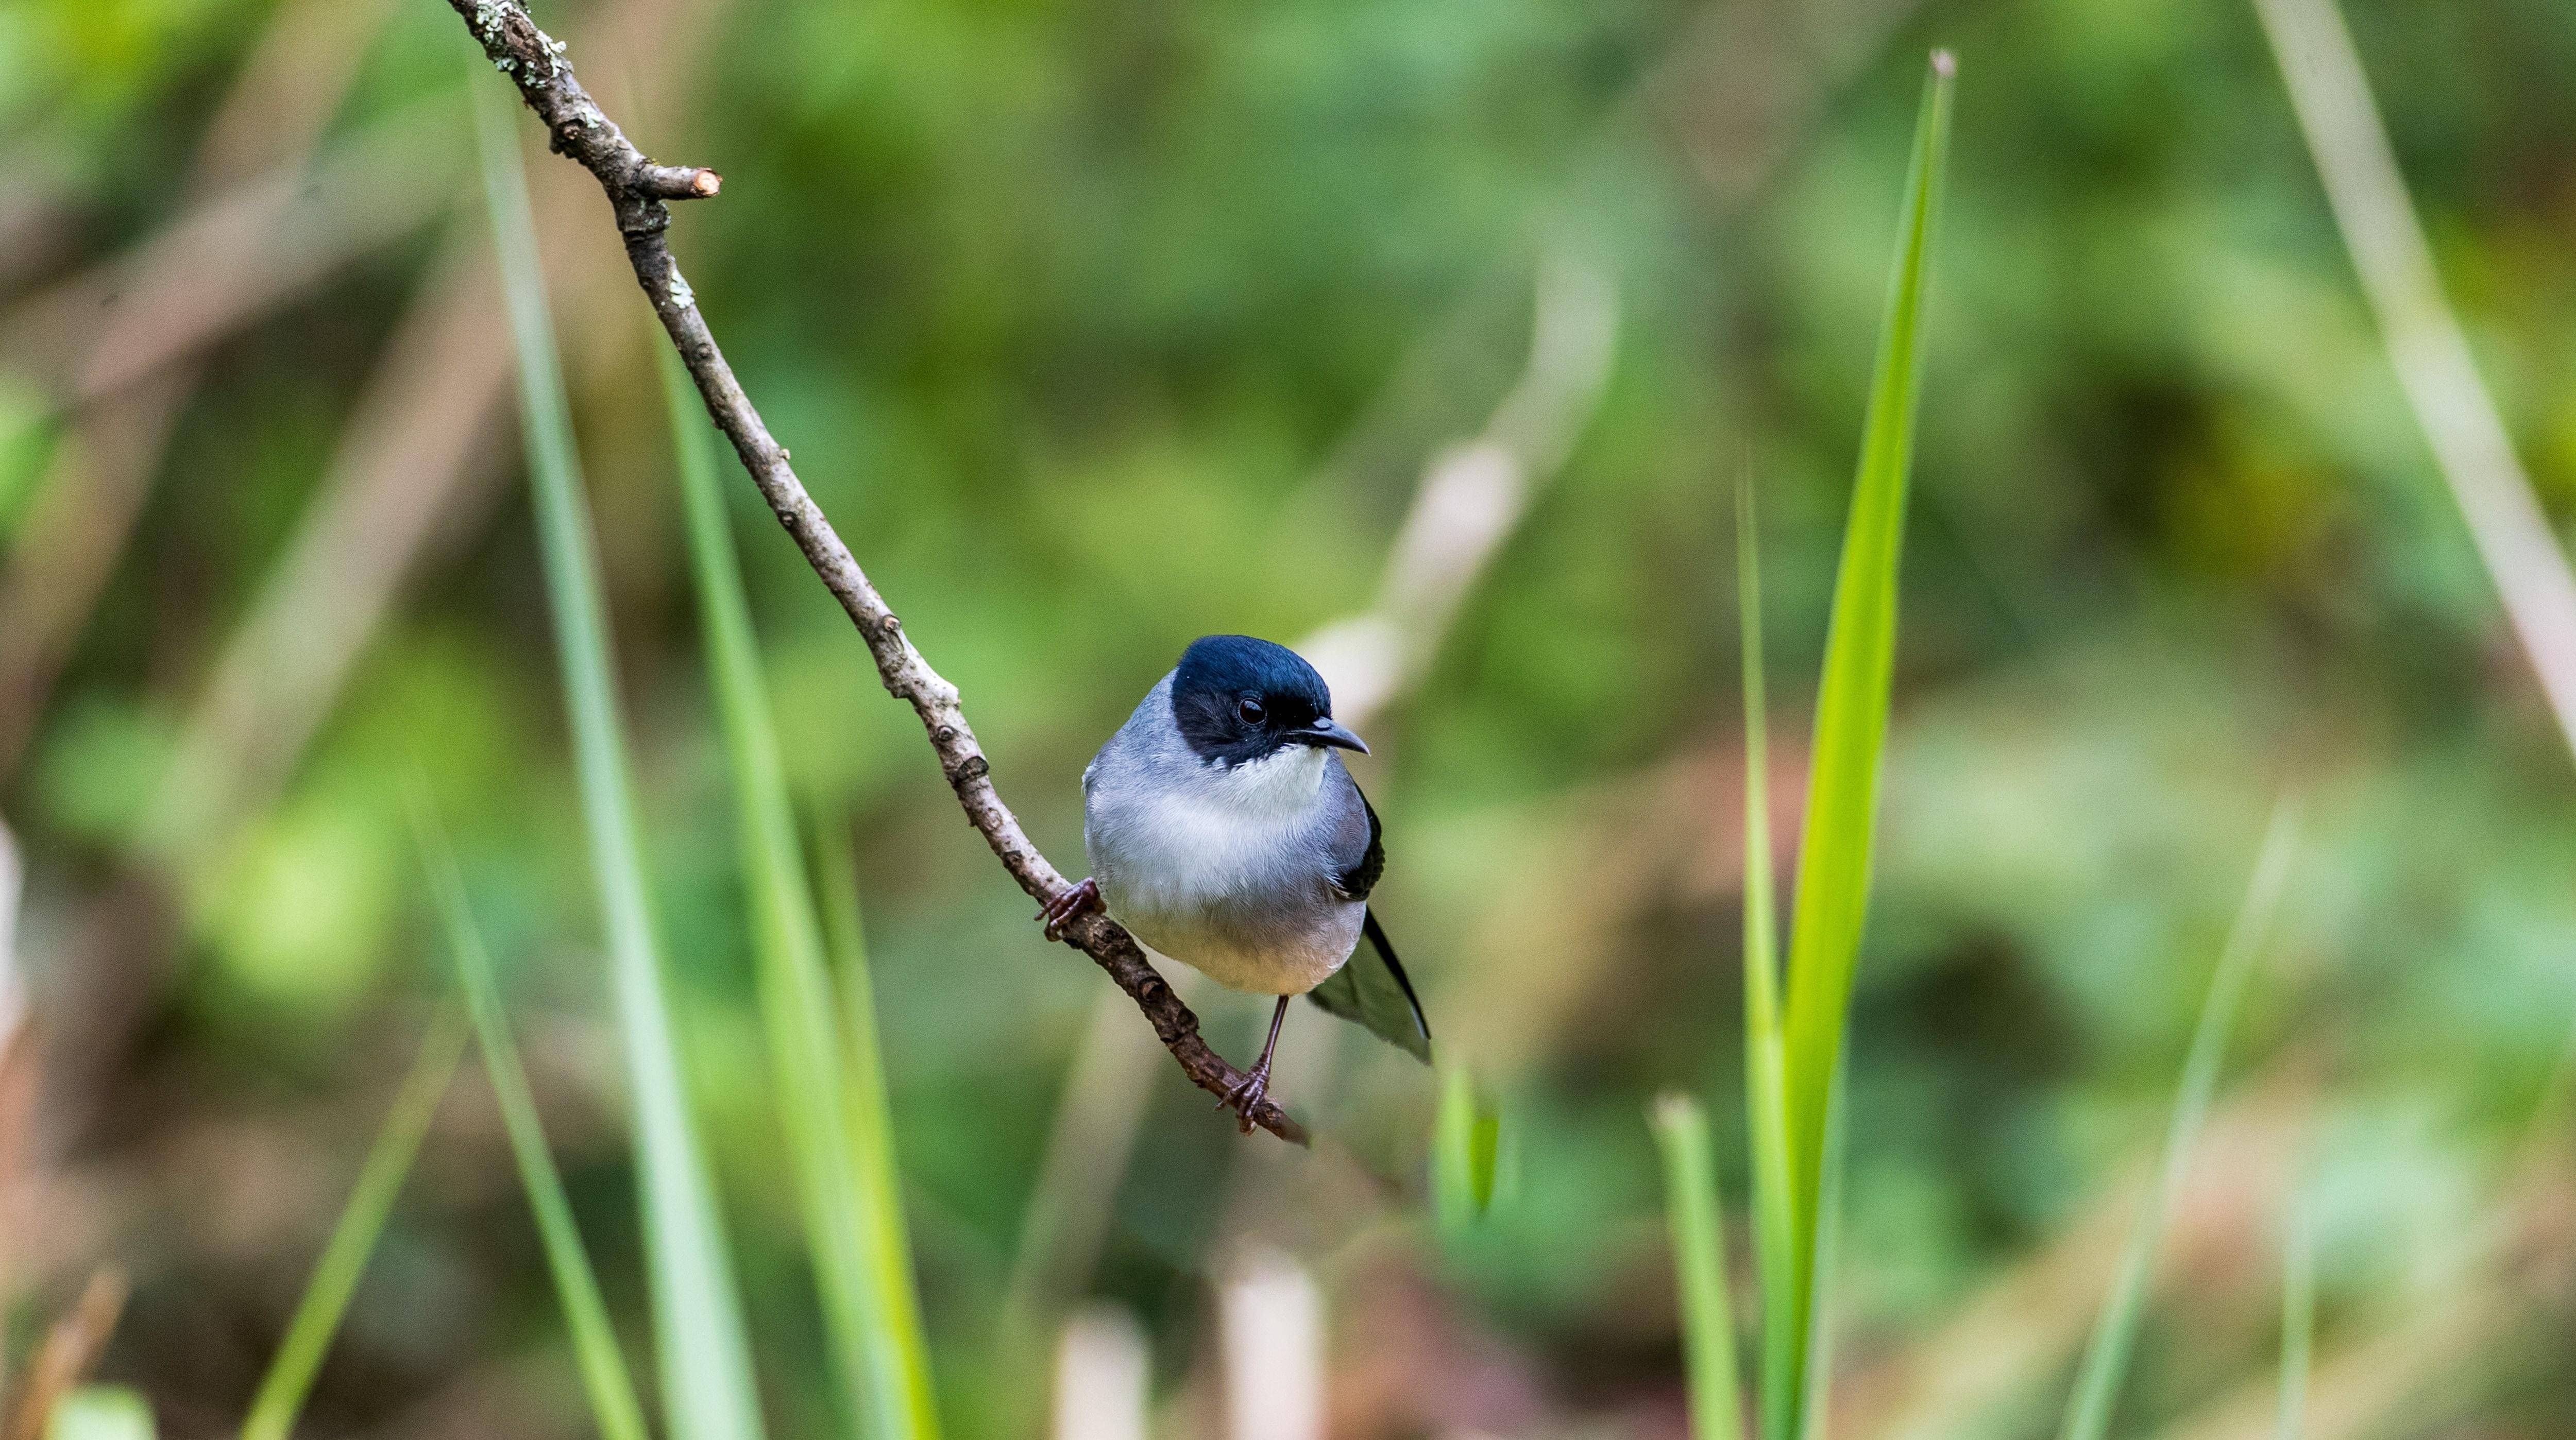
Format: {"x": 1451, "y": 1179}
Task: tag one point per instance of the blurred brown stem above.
{"x": 14, "y": 1056}
{"x": 637, "y": 190}
{"x": 93, "y": 492}
{"x": 70, "y": 1348}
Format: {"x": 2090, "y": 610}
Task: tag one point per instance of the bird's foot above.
{"x": 1075, "y": 900}
{"x": 1247, "y": 1095}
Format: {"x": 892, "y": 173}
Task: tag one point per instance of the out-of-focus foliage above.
{"x": 615, "y": 1408}
{"x": 1097, "y": 326}
{"x": 308, "y": 1337}
{"x": 2108, "y": 1353}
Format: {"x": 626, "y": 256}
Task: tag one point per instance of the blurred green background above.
{"x": 1096, "y": 326}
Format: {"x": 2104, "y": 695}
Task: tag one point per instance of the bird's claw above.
{"x": 1246, "y": 1096}
{"x": 1075, "y": 900}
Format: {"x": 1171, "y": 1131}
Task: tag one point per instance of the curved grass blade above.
{"x": 353, "y": 1240}
{"x": 869, "y": 1316}
{"x": 1851, "y": 713}
{"x": 705, "y": 1359}
{"x": 613, "y": 1403}
{"x": 1699, "y": 1262}
{"x": 2106, "y": 1358}
{"x": 1766, "y": 1112}
{"x": 869, "y": 1119}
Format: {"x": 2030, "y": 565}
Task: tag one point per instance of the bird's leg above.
{"x": 1074, "y": 901}
{"x": 1248, "y": 1091}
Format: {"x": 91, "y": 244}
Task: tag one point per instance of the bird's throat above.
{"x": 1281, "y": 784}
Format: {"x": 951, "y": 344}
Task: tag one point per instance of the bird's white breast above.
{"x": 1220, "y": 868}
{"x": 1200, "y": 842}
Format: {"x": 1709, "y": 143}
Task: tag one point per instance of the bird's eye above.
{"x": 1251, "y": 711}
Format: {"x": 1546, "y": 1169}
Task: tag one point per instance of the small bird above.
{"x": 1224, "y": 833}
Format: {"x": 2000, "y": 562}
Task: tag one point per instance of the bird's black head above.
{"x": 1239, "y": 699}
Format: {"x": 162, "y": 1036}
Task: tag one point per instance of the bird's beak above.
{"x": 1328, "y": 731}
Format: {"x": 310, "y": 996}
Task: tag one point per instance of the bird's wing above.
{"x": 1358, "y": 857}
{"x": 1371, "y": 989}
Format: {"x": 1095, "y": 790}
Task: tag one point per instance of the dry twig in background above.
{"x": 638, "y": 192}
{"x": 2502, "y": 1302}
{"x": 124, "y": 351}
{"x": 70, "y": 1348}
{"x": 413, "y": 464}
{"x": 13, "y": 881}
{"x": 2331, "y": 94}
{"x": 1471, "y": 498}
{"x": 76, "y": 527}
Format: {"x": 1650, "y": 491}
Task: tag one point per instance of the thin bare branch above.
{"x": 637, "y": 190}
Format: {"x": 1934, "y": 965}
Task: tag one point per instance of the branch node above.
{"x": 675, "y": 182}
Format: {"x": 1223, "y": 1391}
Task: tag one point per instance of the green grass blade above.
{"x": 614, "y": 1406}
{"x": 875, "y": 1340}
{"x": 353, "y": 1240}
{"x": 868, "y": 1116}
{"x": 2298, "y": 1322}
{"x": 1775, "y": 1234}
{"x": 1852, "y": 703}
{"x": 1469, "y": 1176}
{"x": 1699, "y": 1262}
{"x": 1453, "y": 1152}
{"x": 1766, "y": 1113}
{"x": 1815, "y": 1380}
{"x": 2106, "y": 1358}
{"x": 705, "y": 1358}
{"x": 101, "y": 1412}
{"x": 1761, "y": 928}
